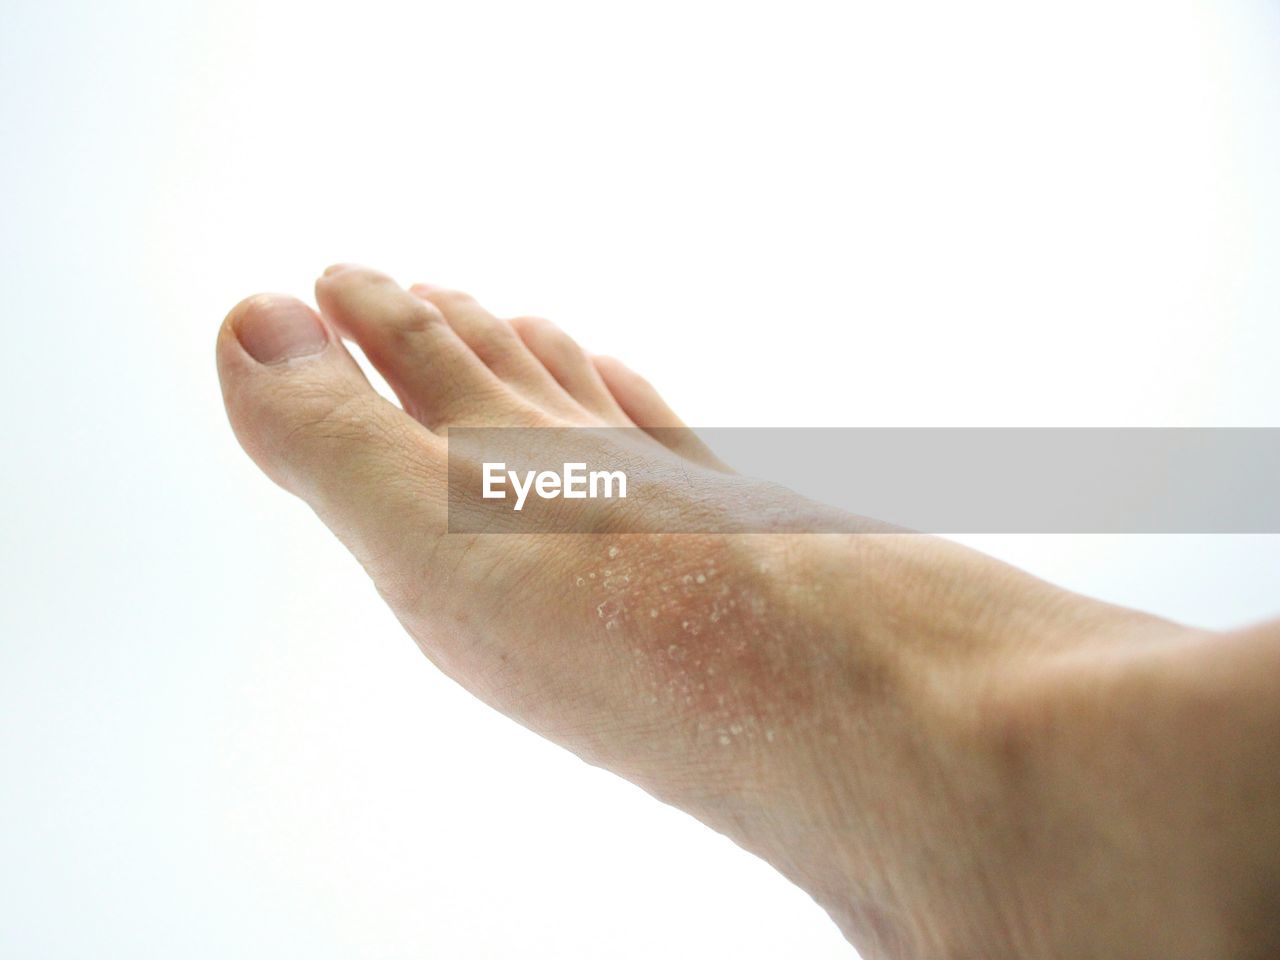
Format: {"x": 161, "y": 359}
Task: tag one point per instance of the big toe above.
{"x": 303, "y": 410}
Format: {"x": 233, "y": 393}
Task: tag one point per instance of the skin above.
{"x": 954, "y": 758}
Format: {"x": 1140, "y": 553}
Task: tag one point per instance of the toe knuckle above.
{"x": 411, "y": 318}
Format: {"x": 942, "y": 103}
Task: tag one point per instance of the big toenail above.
{"x": 275, "y": 330}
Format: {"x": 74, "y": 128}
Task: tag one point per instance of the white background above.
{"x": 214, "y": 741}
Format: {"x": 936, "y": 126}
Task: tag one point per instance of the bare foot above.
{"x": 954, "y": 758}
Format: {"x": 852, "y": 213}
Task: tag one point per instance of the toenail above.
{"x": 276, "y": 329}
{"x": 329, "y": 271}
